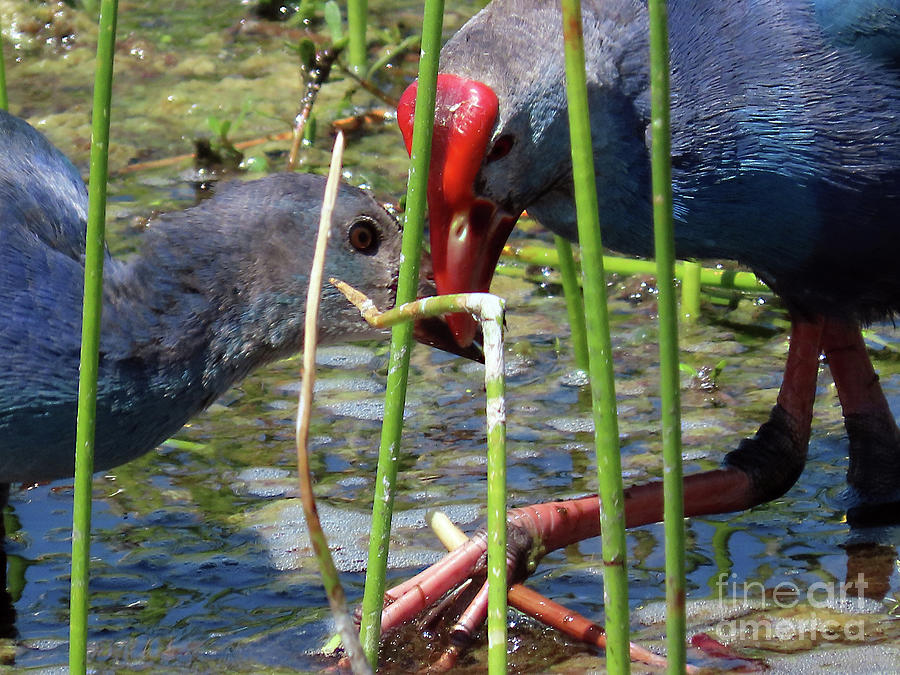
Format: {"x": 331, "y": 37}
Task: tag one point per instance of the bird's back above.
{"x": 40, "y": 300}
{"x": 43, "y": 210}
{"x": 40, "y": 189}
{"x": 869, "y": 26}
{"x": 786, "y": 153}
{"x": 43, "y": 206}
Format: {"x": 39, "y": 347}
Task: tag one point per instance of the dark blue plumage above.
{"x": 40, "y": 190}
{"x": 872, "y": 27}
{"x": 216, "y": 291}
{"x": 786, "y": 145}
{"x": 785, "y": 122}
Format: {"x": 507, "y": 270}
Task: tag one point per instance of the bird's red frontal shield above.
{"x": 467, "y": 233}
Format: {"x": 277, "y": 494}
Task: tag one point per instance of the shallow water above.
{"x": 198, "y": 560}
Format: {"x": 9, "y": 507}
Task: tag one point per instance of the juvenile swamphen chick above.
{"x": 785, "y": 157}
{"x": 216, "y": 291}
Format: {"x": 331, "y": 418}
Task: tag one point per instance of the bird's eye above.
{"x": 501, "y": 148}
{"x": 363, "y": 236}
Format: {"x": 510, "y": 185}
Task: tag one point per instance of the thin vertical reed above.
{"x": 357, "y": 15}
{"x": 496, "y": 484}
{"x": 673, "y": 507}
{"x": 401, "y": 335}
{"x": 690, "y": 290}
{"x": 330, "y": 577}
{"x": 90, "y": 337}
{"x": 489, "y": 309}
{"x": 574, "y": 302}
{"x": 606, "y": 436}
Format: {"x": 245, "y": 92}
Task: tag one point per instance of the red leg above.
{"x": 774, "y": 459}
{"x": 874, "y": 471}
{"x": 761, "y": 469}
{"x": 854, "y": 376}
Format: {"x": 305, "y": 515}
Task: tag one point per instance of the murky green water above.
{"x": 197, "y": 556}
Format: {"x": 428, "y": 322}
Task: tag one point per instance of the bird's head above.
{"x": 500, "y": 145}
{"x": 501, "y": 133}
{"x": 251, "y": 252}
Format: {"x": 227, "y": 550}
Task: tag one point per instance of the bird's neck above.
{"x": 193, "y": 307}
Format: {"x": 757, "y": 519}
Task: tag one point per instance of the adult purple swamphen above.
{"x": 216, "y": 291}
{"x": 785, "y": 157}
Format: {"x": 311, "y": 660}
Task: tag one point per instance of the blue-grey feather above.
{"x": 216, "y": 291}
{"x": 785, "y": 135}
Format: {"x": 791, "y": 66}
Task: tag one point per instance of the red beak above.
{"x": 467, "y": 233}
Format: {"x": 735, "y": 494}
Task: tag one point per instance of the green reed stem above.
{"x": 357, "y": 15}
{"x": 574, "y": 302}
{"x": 401, "y": 335}
{"x": 90, "y": 337}
{"x": 673, "y": 500}
{"x": 492, "y": 331}
{"x": 690, "y": 290}
{"x": 606, "y": 435}
{"x": 723, "y": 278}
{"x": 489, "y": 310}
{"x": 391, "y": 53}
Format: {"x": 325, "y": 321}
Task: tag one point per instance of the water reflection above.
{"x": 199, "y": 558}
